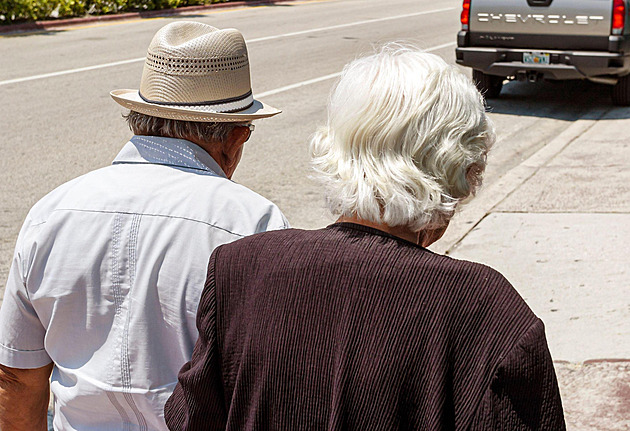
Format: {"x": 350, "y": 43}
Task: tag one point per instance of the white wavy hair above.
{"x": 406, "y": 139}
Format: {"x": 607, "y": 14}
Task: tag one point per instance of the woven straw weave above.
{"x": 187, "y": 64}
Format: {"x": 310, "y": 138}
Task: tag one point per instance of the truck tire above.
{"x": 621, "y": 92}
{"x": 488, "y": 85}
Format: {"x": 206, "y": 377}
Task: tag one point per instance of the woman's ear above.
{"x": 429, "y": 236}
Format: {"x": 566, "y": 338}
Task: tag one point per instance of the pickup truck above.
{"x": 532, "y": 40}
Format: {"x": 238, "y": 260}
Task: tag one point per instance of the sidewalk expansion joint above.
{"x": 489, "y": 198}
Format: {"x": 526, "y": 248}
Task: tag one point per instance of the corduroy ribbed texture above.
{"x": 349, "y": 328}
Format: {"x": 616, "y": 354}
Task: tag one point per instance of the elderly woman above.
{"x": 358, "y": 326}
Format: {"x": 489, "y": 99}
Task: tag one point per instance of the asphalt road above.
{"x": 55, "y": 128}
{"x": 58, "y": 120}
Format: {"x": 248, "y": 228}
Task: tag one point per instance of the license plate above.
{"x": 536, "y": 57}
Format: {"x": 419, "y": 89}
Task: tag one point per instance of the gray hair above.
{"x": 406, "y": 139}
{"x": 210, "y": 133}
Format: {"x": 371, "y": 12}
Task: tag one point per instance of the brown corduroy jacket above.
{"x": 349, "y": 328}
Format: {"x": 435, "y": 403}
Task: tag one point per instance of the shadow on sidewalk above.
{"x": 561, "y": 100}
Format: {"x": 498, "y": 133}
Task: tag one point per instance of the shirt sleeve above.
{"x": 274, "y": 219}
{"x": 21, "y": 332}
{"x": 197, "y": 403}
{"x": 524, "y": 392}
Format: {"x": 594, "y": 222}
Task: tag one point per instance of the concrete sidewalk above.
{"x": 558, "y": 227}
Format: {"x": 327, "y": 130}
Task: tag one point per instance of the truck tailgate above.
{"x": 560, "y": 17}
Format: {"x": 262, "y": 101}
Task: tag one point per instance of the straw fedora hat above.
{"x": 195, "y": 72}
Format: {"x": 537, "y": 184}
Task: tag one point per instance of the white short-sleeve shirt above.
{"x": 107, "y": 274}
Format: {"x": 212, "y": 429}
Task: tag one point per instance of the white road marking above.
{"x": 68, "y": 72}
{"x": 438, "y": 47}
{"x": 298, "y": 85}
{"x": 260, "y": 39}
{"x": 331, "y": 76}
{"x": 367, "y": 21}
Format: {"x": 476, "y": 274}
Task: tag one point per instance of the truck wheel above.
{"x": 621, "y": 92}
{"x": 488, "y": 85}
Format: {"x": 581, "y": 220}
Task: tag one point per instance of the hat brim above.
{"x": 131, "y": 99}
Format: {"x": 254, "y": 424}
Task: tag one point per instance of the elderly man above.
{"x": 109, "y": 267}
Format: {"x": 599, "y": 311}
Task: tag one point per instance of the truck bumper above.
{"x": 563, "y": 64}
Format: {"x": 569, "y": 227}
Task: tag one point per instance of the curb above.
{"x": 68, "y": 22}
{"x": 605, "y": 361}
{"x": 488, "y": 198}
{"x": 592, "y": 361}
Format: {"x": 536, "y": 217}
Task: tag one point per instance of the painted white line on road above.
{"x": 438, "y": 47}
{"x": 68, "y": 72}
{"x": 260, "y": 39}
{"x": 367, "y": 21}
{"x": 298, "y": 85}
{"x": 331, "y": 76}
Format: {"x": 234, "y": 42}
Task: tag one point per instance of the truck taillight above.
{"x": 619, "y": 16}
{"x": 466, "y": 14}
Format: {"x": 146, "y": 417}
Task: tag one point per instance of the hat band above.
{"x": 208, "y": 103}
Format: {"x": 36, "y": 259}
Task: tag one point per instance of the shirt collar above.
{"x": 158, "y": 150}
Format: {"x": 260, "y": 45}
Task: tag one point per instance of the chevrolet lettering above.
{"x": 518, "y": 18}
{"x": 531, "y": 40}
{"x": 495, "y": 37}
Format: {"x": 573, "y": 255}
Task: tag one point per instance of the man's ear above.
{"x": 236, "y": 139}
{"x": 232, "y": 149}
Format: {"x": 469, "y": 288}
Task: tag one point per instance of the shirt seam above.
{"x": 498, "y": 365}
{"x": 153, "y": 215}
{"x": 21, "y": 350}
{"x": 214, "y": 257}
